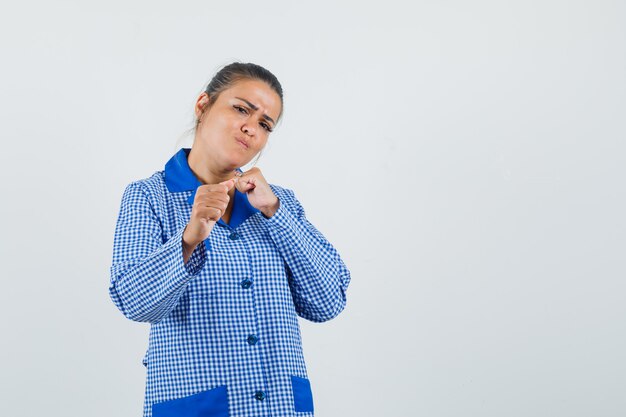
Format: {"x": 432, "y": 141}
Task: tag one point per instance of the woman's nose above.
{"x": 248, "y": 129}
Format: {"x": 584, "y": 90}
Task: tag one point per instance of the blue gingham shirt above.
{"x": 224, "y": 335}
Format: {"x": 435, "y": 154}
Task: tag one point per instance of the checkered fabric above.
{"x": 224, "y": 333}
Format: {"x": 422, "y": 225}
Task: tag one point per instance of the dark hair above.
{"x": 237, "y": 71}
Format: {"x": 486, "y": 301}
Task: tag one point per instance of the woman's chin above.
{"x": 241, "y": 160}
{"x": 234, "y": 163}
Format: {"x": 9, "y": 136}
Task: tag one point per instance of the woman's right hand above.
{"x": 209, "y": 206}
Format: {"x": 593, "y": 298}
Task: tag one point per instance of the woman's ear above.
{"x": 202, "y": 103}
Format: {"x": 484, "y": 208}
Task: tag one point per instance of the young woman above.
{"x": 221, "y": 263}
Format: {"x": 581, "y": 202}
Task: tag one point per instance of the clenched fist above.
{"x": 258, "y": 191}
{"x": 209, "y": 205}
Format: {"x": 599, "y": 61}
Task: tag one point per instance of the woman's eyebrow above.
{"x": 265, "y": 116}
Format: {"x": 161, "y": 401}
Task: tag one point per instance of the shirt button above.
{"x": 246, "y": 283}
{"x": 252, "y": 339}
{"x": 259, "y": 395}
{"x": 234, "y": 236}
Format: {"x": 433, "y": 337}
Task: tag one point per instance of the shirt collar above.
{"x": 179, "y": 177}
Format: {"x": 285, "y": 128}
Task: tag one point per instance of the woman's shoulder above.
{"x": 153, "y": 182}
{"x": 277, "y": 188}
{"x": 282, "y": 191}
{"x": 287, "y": 196}
{"x": 153, "y": 187}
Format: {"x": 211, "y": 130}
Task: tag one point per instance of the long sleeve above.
{"x": 318, "y": 278}
{"x": 148, "y": 275}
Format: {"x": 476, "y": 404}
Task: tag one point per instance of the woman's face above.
{"x": 238, "y": 124}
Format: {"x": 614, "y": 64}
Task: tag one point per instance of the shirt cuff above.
{"x": 197, "y": 259}
{"x": 283, "y": 224}
{"x": 279, "y": 215}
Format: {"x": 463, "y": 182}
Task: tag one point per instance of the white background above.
{"x": 465, "y": 158}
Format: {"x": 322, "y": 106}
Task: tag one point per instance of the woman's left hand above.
{"x": 260, "y": 195}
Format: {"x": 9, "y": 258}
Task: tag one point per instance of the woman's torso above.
{"x": 234, "y": 330}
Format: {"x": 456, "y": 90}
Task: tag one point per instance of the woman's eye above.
{"x": 239, "y": 108}
{"x": 243, "y": 110}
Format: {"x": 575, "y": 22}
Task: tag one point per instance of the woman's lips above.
{"x": 242, "y": 143}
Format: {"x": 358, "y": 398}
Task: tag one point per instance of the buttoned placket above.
{"x": 251, "y": 339}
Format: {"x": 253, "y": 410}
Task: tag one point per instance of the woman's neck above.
{"x": 205, "y": 169}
